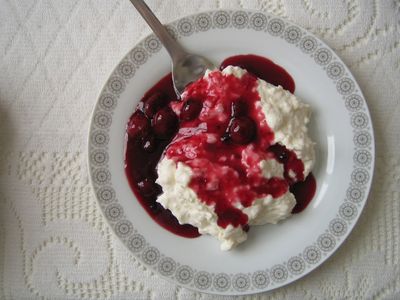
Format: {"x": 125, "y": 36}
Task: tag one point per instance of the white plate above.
{"x": 274, "y": 255}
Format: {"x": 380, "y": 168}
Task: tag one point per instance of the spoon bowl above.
{"x": 186, "y": 67}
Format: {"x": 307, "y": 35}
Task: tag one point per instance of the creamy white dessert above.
{"x": 288, "y": 117}
{"x": 194, "y": 161}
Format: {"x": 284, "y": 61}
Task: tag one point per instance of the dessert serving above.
{"x": 179, "y": 178}
{"x": 232, "y": 153}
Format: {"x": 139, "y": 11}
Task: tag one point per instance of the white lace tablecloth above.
{"x": 55, "y": 56}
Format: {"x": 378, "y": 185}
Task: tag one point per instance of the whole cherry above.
{"x": 148, "y": 188}
{"x": 190, "y": 109}
{"x": 149, "y": 143}
{"x": 280, "y": 152}
{"x": 239, "y": 108}
{"x": 165, "y": 123}
{"x": 138, "y": 124}
{"x": 242, "y": 130}
{"x": 153, "y": 104}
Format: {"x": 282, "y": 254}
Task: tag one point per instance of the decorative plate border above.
{"x": 339, "y": 227}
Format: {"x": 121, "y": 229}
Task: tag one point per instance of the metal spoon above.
{"x": 186, "y": 67}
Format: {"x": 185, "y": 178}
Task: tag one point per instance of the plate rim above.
{"x": 239, "y": 283}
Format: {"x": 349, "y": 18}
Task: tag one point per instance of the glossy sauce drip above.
{"x": 263, "y": 68}
{"x": 304, "y": 192}
{"x": 141, "y": 165}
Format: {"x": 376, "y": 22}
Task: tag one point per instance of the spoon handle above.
{"x": 174, "y": 49}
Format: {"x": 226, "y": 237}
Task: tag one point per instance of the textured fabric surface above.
{"x": 54, "y": 58}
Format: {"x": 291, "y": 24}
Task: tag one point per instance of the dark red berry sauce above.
{"x": 140, "y": 165}
{"x": 220, "y": 132}
{"x": 263, "y": 68}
